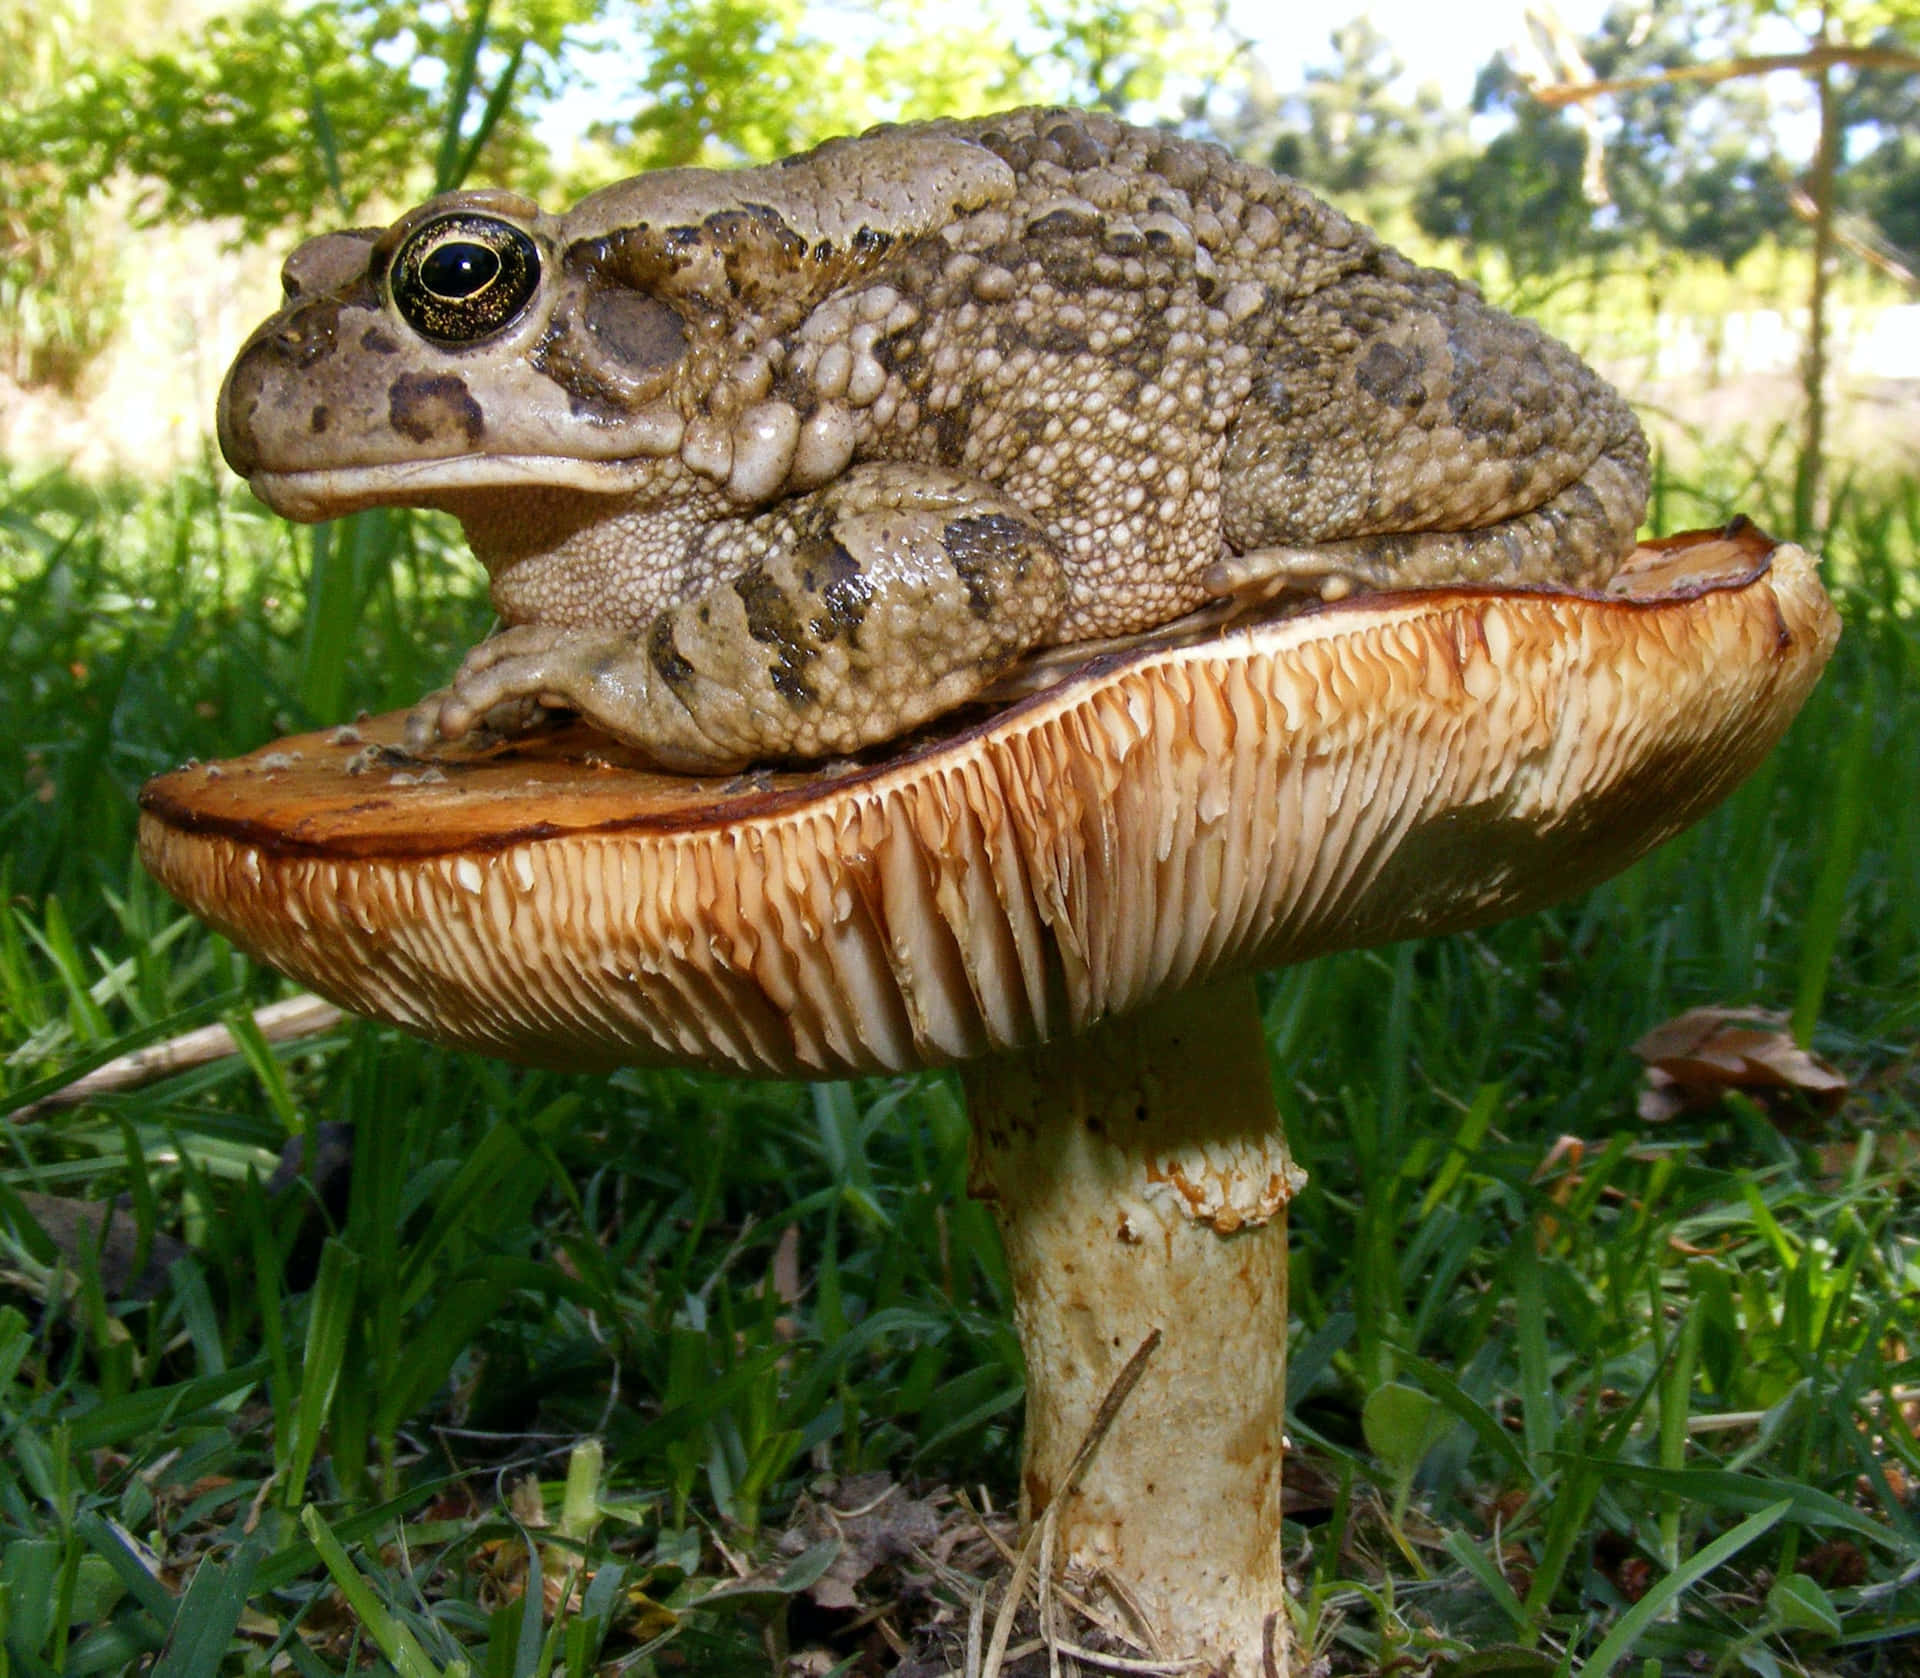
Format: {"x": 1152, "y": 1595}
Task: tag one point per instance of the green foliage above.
{"x": 1687, "y": 165}
{"x": 1520, "y": 195}
{"x": 277, "y": 116}
{"x": 1116, "y": 56}
{"x": 286, "y": 117}
{"x": 742, "y": 77}
{"x": 257, "y": 112}
{"x": 1883, "y": 185}
{"x": 58, "y": 297}
{"x": 748, "y": 80}
{"x": 1694, "y": 166}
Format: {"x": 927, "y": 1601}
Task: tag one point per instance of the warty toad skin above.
{"x": 781, "y": 462}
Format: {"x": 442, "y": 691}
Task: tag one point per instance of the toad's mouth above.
{"x": 310, "y": 497}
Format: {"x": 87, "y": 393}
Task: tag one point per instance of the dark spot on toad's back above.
{"x": 377, "y": 342}
{"x": 1583, "y": 497}
{"x": 1480, "y": 406}
{"x": 1390, "y": 373}
{"x": 771, "y": 620}
{"x": 432, "y": 407}
{"x": 1064, "y": 223}
{"x": 1057, "y": 338}
{"x": 319, "y": 418}
{"x": 950, "y": 436}
{"x": 790, "y": 684}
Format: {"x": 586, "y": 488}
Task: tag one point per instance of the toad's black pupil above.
{"x": 459, "y": 269}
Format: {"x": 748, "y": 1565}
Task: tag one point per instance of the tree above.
{"x": 1690, "y": 165}
{"x": 1845, "y": 39}
{"x": 1351, "y": 130}
{"x": 277, "y": 117}
{"x": 58, "y": 302}
{"x": 1522, "y": 194}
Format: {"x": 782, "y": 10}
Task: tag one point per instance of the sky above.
{"x": 1442, "y": 41}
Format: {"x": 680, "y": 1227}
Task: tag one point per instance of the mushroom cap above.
{"x": 1386, "y": 766}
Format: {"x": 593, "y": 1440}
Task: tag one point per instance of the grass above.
{"x": 1572, "y": 1393}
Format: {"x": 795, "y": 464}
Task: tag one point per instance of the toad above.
{"x": 781, "y": 462}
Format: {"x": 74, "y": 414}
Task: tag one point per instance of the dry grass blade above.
{"x": 1009, "y": 1607}
{"x": 1129, "y": 1663}
{"x": 1116, "y": 1395}
{"x": 1039, "y": 1544}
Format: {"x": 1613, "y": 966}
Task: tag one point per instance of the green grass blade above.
{"x": 1718, "y": 1488}
{"x": 133, "y": 1416}
{"x": 258, "y": 1053}
{"x": 1537, "y": 1418}
{"x": 209, "y": 1613}
{"x": 397, "y": 1643}
{"x": 1486, "y": 1429}
{"x": 1487, "y": 1572}
{"x": 330, "y": 1320}
{"x": 446, "y": 172}
{"x": 491, "y": 113}
{"x": 109, "y": 1542}
{"x": 1662, "y": 1599}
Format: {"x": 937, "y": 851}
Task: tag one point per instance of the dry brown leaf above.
{"x": 1697, "y": 1057}
{"x": 880, "y": 1526}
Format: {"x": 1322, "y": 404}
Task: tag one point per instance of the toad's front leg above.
{"x": 847, "y": 616}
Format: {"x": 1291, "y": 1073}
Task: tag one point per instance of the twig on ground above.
{"x": 305, "y": 1015}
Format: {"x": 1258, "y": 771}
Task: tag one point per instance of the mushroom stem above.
{"x": 1141, "y": 1182}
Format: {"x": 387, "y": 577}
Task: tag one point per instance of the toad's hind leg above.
{"x": 1575, "y": 540}
{"x": 1402, "y": 433}
{"x": 846, "y": 617}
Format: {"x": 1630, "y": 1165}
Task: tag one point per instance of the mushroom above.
{"x": 1067, "y": 900}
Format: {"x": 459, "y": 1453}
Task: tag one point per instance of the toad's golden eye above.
{"x": 461, "y": 278}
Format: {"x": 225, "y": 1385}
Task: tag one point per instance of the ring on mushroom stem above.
{"x": 1124, "y": 847}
